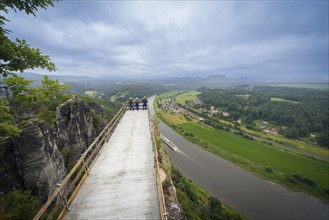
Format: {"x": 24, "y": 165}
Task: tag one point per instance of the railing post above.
{"x": 65, "y": 203}
{"x": 85, "y": 164}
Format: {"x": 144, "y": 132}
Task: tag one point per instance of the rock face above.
{"x": 9, "y": 178}
{"x": 75, "y": 129}
{"x": 34, "y": 161}
{"x": 174, "y": 210}
{"x": 99, "y": 109}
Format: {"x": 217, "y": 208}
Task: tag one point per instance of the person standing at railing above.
{"x": 137, "y": 103}
{"x": 144, "y": 103}
{"x": 131, "y": 106}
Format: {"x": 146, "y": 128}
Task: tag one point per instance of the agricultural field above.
{"x": 168, "y": 94}
{"x": 274, "y": 99}
{"x": 288, "y": 142}
{"x": 186, "y": 96}
{"x": 90, "y": 92}
{"x": 174, "y": 119}
{"x": 261, "y": 153}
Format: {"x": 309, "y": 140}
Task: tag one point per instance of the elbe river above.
{"x": 252, "y": 196}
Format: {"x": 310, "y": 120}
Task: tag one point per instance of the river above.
{"x": 252, "y": 196}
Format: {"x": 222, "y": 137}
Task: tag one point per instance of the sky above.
{"x": 150, "y": 39}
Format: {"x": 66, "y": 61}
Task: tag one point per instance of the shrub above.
{"x": 291, "y": 179}
{"x": 66, "y": 153}
{"x": 190, "y": 134}
{"x": 247, "y": 137}
{"x": 269, "y": 169}
{"x": 326, "y": 190}
{"x": 20, "y": 205}
{"x": 309, "y": 181}
{"x": 297, "y": 176}
{"x": 215, "y": 208}
{"x": 303, "y": 179}
{"x": 98, "y": 122}
{"x": 250, "y": 127}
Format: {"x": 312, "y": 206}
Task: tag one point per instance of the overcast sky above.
{"x": 179, "y": 38}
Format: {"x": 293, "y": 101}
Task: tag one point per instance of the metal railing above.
{"x": 161, "y": 200}
{"x": 60, "y": 200}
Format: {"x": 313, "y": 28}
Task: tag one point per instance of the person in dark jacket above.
{"x": 131, "y": 106}
{"x": 137, "y": 103}
{"x": 144, "y": 103}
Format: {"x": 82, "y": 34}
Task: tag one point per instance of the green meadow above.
{"x": 186, "y": 96}
{"x": 90, "y": 92}
{"x": 274, "y": 99}
{"x": 261, "y": 153}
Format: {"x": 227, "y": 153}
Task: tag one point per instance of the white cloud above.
{"x": 180, "y": 38}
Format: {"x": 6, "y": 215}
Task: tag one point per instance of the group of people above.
{"x": 136, "y": 103}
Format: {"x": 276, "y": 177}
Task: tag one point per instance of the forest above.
{"x": 297, "y": 112}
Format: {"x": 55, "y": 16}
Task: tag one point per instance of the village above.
{"x": 170, "y": 104}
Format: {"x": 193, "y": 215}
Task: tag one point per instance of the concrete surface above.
{"x": 122, "y": 183}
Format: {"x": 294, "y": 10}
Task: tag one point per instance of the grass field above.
{"x": 166, "y": 95}
{"x": 186, "y": 96}
{"x": 261, "y": 153}
{"x": 318, "y": 86}
{"x": 90, "y": 92}
{"x": 289, "y": 142}
{"x": 175, "y": 119}
{"x": 273, "y": 99}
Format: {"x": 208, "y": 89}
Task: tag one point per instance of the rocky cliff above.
{"x": 34, "y": 160}
{"x": 75, "y": 130}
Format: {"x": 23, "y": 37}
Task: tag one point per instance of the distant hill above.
{"x": 61, "y": 78}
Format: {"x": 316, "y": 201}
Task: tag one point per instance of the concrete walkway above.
{"x": 122, "y": 183}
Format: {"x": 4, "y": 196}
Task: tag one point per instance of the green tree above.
{"x": 18, "y": 55}
{"x": 323, "y": 139}
{"x": 49, "y": 96}
{"x": 19, "y": 205}
{"x": 20, "y": 95}
{"x": 6, "y": 128}
{"x": 51, "y": 89}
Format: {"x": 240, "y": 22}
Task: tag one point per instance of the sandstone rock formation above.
{"x": 34, "y": 161}
{"x": 75, "y": 128}
{"x": 9, "y": 178}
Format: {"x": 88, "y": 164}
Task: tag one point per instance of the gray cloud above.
{"x": 149, "y": 39}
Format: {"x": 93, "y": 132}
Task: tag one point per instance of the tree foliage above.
{"x": 6, "y": 128}
{"x": 302, "y": 111}
{"x": 23, "y": 101}
{"x": 19, "y": 94}
{"x": 18, "y": 55}
{"x": 19, "y": 205}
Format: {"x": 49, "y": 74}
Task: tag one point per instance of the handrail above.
{"x": 162, "y": 204}
{"x": 60, "y": 200}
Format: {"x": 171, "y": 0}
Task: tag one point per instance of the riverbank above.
{"x": 284, "y": 167}
{"x": 193, "y": 199}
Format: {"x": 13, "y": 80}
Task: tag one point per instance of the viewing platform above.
{"x": 122, "y": 182}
